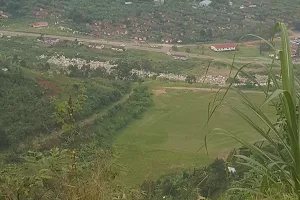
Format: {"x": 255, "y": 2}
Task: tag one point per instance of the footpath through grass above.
{"x": 170, "y": 133}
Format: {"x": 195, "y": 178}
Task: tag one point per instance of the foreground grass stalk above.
{"x": 282, "y": 163}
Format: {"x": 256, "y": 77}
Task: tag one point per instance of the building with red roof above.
{"x": 39, "y": 24}
{"x": 223, "y": 47}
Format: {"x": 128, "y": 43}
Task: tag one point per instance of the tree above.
{"x": 174, "y": 48}
{"x": 46, "y": 66}
{"x": 209, "y": 33}
{"x": 122, "y": 70}
{"x": 23, "y": 63}
{"x": 4, "y": 142}
{"x": 99, "y": 72}
{"x": 76, "y": 16}
{"x": 15, "y": 59}
{"x": 188, "y": 50}
{"x": 146, "y": 65}
{"x": 191, "y": 79}
{"x": 216, "y": 178}
{"x": 203, "y": 33}
{"x": 67, "y": 111}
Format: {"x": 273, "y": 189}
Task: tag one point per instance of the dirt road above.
{"x": 207, "y": 89}
{"x": 165, "y": 47}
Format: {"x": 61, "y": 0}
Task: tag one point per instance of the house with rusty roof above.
{"x": 39, "y": 24}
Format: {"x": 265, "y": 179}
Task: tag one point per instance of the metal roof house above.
{"x": 205, "y": 3}
{"x": 223, "y": 47}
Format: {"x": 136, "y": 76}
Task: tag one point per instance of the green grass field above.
{"x": 170, "y": 133}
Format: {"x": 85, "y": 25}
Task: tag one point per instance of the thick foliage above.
{"x": 121, "y": 114}
{"x": 60, "y": 174}
{"x": 23, "y": 109}
{"x": 189, "y": 185}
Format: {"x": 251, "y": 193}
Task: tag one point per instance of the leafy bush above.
{"x": 24, "y": 110}
{"x": 121, "y": 114}
{"x": 189, "y": 185}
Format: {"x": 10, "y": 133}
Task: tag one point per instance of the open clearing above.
{"x": 170, "y": 133}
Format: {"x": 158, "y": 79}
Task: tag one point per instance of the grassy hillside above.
{"x": 170, "y": 134}
{"x": 26, "y": 107}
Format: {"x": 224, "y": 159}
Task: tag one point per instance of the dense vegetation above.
{"x": 61, "y": 97}
{"x": 55, "y": 169}
{"x": 120, "y": 115}
{"x": 30, "y": 100}
{"x": 24, "y": 109}
{"x": 189, "y": 185}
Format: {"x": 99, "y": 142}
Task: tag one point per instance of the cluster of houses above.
{"x": 145, "y": 28}
{"x": 142, "y": 29}
{"x": 106, "y": 27}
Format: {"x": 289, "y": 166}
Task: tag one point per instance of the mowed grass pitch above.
{"x": 170, "y": 133}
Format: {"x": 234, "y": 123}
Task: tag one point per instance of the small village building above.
{"x": 166, "y": 40}
{"x": 39, "y": 24}
{"x": 96, "y": 45}
{"x": 180, "y": 57}
{"x": 223, "y": 47}
{"x": 205, "y": 3}
{"x": 118, "y": 48}
{"x": 3, "y": 14}
{"x": 49, "y": 40}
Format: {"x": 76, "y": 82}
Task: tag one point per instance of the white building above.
{"x": 205, "y": 3}
{"x": 179, "y": 57}
{"x": 159, "y": 2}
{"x": 223, "y": 47}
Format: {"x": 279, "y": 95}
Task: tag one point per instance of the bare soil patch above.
{"x": 159, "y": 92}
